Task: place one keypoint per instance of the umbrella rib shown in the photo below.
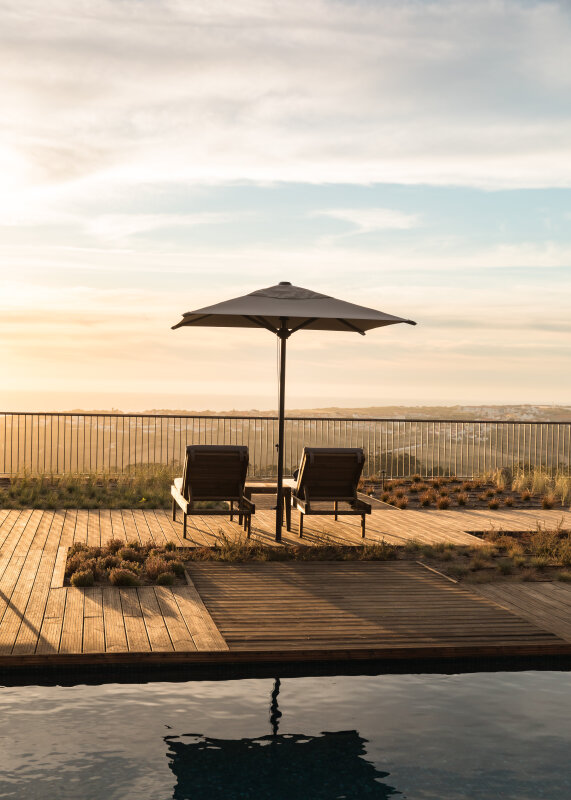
(350, 326)
(303, 324)
(263, 323)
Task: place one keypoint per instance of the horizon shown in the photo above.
(400, 157)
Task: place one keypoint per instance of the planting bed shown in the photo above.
(443, 493)
(124, 564)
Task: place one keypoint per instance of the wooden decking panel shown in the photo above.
(340, 605)
(547, 605)
(231, 610)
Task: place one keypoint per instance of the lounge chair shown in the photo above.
(329, 474)
(213, 473)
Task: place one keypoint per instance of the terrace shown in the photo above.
(256, 613)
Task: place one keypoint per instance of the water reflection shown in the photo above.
(278, 766)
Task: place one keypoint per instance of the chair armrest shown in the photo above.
(361, 505)
(299, 502)
(248, 505)
(179, 499)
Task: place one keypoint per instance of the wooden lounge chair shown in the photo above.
(329, 474)
(213, 473)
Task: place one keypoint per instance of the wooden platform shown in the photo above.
(255, 612)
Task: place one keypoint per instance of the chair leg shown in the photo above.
(363, 526)
(300, 524)
(184, 526)
(288, 514)
(174, 510)
(249, 526)
(336, 506)
(232, 511)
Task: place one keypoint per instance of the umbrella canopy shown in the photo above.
(303, 308)
(285, 309)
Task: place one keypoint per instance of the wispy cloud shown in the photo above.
(368, 220)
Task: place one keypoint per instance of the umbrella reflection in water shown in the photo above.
(277, 766)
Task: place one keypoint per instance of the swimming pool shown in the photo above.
(478, 735)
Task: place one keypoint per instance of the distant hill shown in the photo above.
(533, 413)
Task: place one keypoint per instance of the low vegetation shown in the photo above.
(538, 555)
(494, 489)
(144, 487)
(533, 555)
(124, 564)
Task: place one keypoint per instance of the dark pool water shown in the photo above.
(483, 735)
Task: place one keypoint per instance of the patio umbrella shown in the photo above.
(285, 309)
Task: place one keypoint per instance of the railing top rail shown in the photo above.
(275, 418)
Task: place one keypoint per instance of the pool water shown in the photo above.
(479, 735)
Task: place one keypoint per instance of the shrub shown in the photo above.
(548, 500)
(426, 499)
(467, 485)
(539, 562)
(494, 504)
(564, 554)
(414, 488)
(525, 495)
(154, 566)
(123, 577)
(489, 493)
(482, 497)
(165, 579)
(443, 502)
(564, 575)
(563, 488)
(444, 493)
(170, 546)
(77, 547)
(509, 502)
(399, 493)
(461, 498)
(392, 501)
(416, 478)
(108, 562)
(457, 571)
(177, 567)
(541, 482)
(130, 554)
(114, 545)
(401, 502)
(385, 496)
(505, 566)
(83, 578)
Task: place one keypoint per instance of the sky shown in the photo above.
(157, 156)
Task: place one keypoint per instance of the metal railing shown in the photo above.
(116, 443)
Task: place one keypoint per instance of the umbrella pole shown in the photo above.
(283, 334)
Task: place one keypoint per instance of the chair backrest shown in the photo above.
(330, 473)
(214, 472)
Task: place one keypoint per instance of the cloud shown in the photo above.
(118, 226)
(368, 220)
(317, 91)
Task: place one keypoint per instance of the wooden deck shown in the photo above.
(253, 612)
